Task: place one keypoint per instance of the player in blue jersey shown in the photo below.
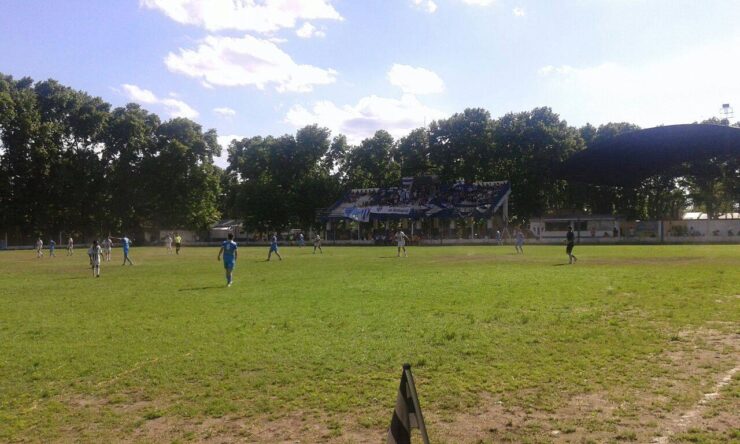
(228, 249)
(126, 244)
(273, 247)
(52, 247)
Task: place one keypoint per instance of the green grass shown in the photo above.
(162, 351)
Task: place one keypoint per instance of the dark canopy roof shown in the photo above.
(628, 158)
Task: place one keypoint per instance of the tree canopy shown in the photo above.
(71, 163)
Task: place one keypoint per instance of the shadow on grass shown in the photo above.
(201, 288)
(559, 265)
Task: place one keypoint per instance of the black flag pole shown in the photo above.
(407, 414)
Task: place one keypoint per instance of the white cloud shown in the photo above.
(308, 30)
(370, 114)
(262, 16)
(413, 80)
(246, 61)
(173, 107)
(479, 2)
(519, 12)
(224, 141)
(225, 111)
(427, 5)
(678, 88)
(549, 69)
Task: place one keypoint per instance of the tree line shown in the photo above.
(72, 163)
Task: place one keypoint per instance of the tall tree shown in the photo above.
(530, 146)
(413, 154)
(371, 164)
(462, 146)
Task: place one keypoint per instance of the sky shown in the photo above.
(269, 67)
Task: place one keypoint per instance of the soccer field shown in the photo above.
(628, 345)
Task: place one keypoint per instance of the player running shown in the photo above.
(39, 248)
(519, 241)
(570, 241)
(401, 239)
(94, 253)
(70, 246)
(499, 239)
(317, 244)
(107, 247)
(274, 247)
(52, 247)
(228, 248)
(126, 244)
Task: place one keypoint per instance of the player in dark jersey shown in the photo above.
(570, 243)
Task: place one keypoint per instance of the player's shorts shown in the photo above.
(178, 245)
(274, 248)
(125, 252)
(229, 265)
(569, 248)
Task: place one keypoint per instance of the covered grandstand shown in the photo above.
(425, 207)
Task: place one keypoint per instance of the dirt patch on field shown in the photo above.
(694, 394)
(699, 370)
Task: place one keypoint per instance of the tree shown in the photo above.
(462, 146)
(282, 181)
(372, 163)
(182, 179)
(529, 148)
(413, 154)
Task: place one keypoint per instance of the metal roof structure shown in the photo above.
(628, 158)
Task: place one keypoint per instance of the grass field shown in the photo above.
(628, 345)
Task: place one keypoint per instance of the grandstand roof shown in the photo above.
(631, 157)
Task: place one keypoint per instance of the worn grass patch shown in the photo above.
(504, 347)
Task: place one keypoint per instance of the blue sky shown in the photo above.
(258, 67)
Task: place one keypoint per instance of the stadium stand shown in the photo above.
(421, 198)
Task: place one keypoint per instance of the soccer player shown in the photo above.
(126, 244)
(168, 243)
(301, 240)
(499, 240)
(70, 246)
(570, 241)
(317, 244)
(401, 239)
(52, 246)
(274, 247)
(228, 248)
(94, 252)
(178, 243)
(107, 246)
(519, 241)
(39, 248)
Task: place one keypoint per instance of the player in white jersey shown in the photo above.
(317, 244)
(401, 239)
(95, 257)
(39, 248)
(107, 247)
(168, 243)
(70, 246)
(519, 241)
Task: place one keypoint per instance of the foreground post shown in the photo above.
(407, 415)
